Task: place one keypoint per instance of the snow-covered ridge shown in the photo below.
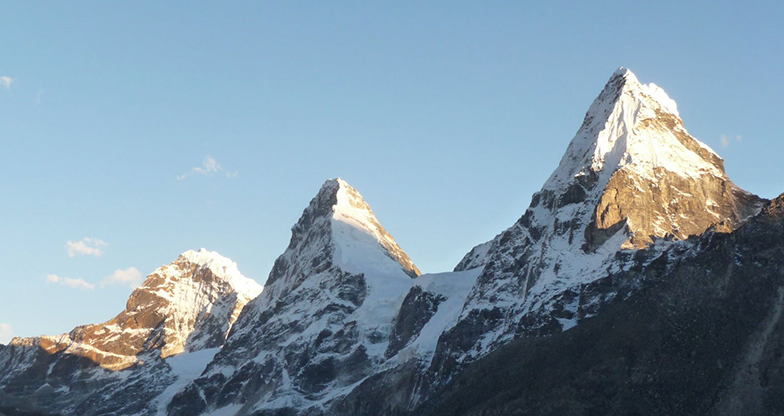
(226, 269)
(650, 89)
(636, 126)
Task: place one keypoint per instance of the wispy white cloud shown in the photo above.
(209, 167)
(85, 247)
(726, 140)
(6, 82)
(6, 333)
(130, 276)
(79, 283)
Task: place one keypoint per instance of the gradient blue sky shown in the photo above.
(446, 116)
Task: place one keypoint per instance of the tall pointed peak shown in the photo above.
(635, 126)
(334, 293)
(632, 168)
(338, 228)
(633, 158)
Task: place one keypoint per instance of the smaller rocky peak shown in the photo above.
(186, 281)
(221, 268)
(187, 305)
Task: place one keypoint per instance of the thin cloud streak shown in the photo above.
(726, 140)
(85, 247)
(6, 82)
(209, 167)
(79, 283)
(130, 277)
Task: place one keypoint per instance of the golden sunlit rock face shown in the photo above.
(663, 203)
(669, 205)
(185, 306)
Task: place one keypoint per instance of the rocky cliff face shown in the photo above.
(186, 306)
(324, 320)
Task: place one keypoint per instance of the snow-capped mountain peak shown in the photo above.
(338, 224)
(225, 269)
(197, 298)
(187, 305)
(631, 175)
(652, 90)
(124, 365)
(635, 126)
(324, 320)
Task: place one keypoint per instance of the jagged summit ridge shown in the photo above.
(225, 269)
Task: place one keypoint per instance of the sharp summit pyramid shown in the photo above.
(324, 319)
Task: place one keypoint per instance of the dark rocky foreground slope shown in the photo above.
(704, 336)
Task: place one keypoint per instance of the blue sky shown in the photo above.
(446, 116)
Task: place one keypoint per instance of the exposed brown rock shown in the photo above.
(150, 322)
(672, 205)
